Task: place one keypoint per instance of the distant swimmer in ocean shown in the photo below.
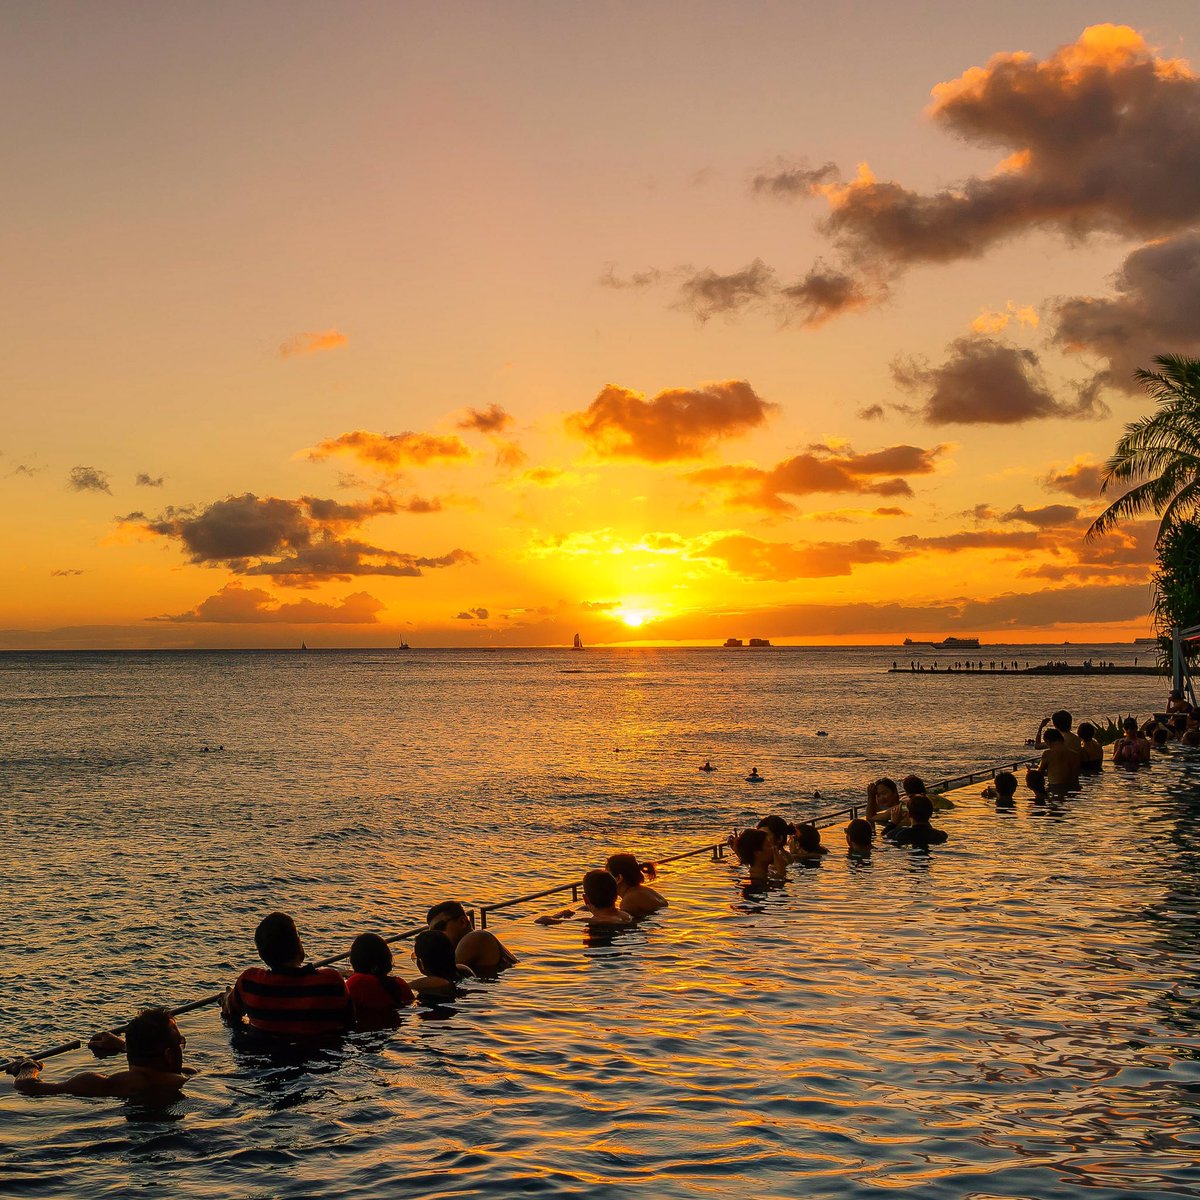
(153, 1048)
(433, 952)
(708, 766)
(479, 949)
(637, 899)
(377, 993)
(599, 909)
(754, 776)
(860, 835)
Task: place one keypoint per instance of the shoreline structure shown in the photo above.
(715, 850)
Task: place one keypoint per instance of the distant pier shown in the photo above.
(1044, 669)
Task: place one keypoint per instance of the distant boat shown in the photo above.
(577, 644)
(732, 643)
(760, 643)
(303, 646)
(403, 644)
(957, 643)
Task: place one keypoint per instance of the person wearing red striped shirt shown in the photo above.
(288, 997)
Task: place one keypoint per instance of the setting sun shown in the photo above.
(633, 617)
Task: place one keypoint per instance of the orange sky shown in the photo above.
(485, 325)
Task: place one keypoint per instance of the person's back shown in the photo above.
(376, 993)
(637, 899)
(288, 997)
(478, 949)
(1091, 753)
(860, 834)
(1059, 764)
(920, 833)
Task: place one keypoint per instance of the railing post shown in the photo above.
(482, 917)
(574, 893)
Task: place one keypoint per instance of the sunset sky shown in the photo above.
(484, 324)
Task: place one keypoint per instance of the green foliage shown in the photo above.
(1177, 582)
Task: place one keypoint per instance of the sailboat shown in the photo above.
(303, 646)
(577, 644)
(403, 644)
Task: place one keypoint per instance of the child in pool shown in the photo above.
(599, 909)
(377, 993)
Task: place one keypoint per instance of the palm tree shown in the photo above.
(1159, 454)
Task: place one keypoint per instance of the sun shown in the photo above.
(633, 617)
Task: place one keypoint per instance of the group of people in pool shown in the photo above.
(291, 999)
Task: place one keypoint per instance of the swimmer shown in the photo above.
(1035, 781)
(1059, 763)
(779, 829)
(479, 949)
(1002, 789)
(1131, 750)
(1091, 753)
(708, 766)
(433, 952)
(637, 899)
(755, 848)
(920, 833)
(860, 834)
(806, 844)
(599, 909)
(914, 785)
(153, 1048)
(883, 796)
(754, 776)
(374, 990)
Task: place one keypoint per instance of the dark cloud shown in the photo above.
(492, 419)
(679, 423)
(297, 541)
(600, 605)
(781, 562)
(28, 471)
(821, 469)
(973, 539)
(1081, 479)
(144, 480)
(65, 572)
(393, 451)
(88, 479)
(987, 382)
(872, 412)
(237, 605)
(1049, 516)
(796, 180)
(636, 281)
(708, 293)
(824, 294)
(473, 614)
(1153, 310)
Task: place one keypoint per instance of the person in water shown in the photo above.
(153, 1048)
(780, 830)
(1091, 753)
(860, 835)
(883, 796)
(754, 776)
(1003, 789)
(806, 844)
(708, 766)
(637, 899)
(920, 833)
(1035, 781)
(434, 955)
(1132, 750)
(756, 849)
(914, 785)
(1061, 722)
(599, 909)
(478, 949)
(1059, 764)
(376, 993)
(288, 997)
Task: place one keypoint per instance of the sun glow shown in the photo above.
(633, 617)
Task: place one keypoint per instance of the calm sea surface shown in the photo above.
(1015, 1015)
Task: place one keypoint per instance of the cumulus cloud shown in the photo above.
(145, 480)
(679, 423)
(312, 343)
(88, 479)
(295, 541)
(973, 539)
(473, 614)
(709, 293)
(998, 320)
(1152, 310)
(1081, 479)
(1048, 516)
(238, 605)
(781, 562)
(825, 293)
(790, 180)
(821, 469)
(492, 419)
(393, 451)
(987, 382)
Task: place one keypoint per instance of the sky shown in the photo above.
(488, 324)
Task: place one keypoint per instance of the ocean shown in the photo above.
(1013, 1015)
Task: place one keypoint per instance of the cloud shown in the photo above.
(1081, 479)
(973, 539)
(300, 542)
(392, 451)
(637, 281)
(1156, 296)
(23, 469)
(1049, 516)
(708, 293)
(492, 419)
(473, 614)
(996, 321)
(312, 343)
(781, 562)
(509, 455)
(238, 605)
(144, 480)
(825, 293)
(88, 479)
(872, 412)
(821, 469)
(65, 572)
(1103, 135)
(679, 423)
(794, 180)
(987, 382)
